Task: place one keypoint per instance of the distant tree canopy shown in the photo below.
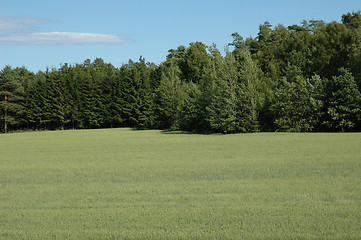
(298, 78)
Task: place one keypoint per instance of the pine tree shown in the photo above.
(251, 87)
(145, 93)
(342, 102)
(44, 99)
(169, 98)
(295, 108)
(58, 100)
(26, 78)
(91, 101)
(74, 85)
(222, 77)
(111, 98)
(189, 115)
(67, 85)
(33, 107)
(11, 94)
(129, 96)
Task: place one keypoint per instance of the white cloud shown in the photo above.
(20, 31)
(59, 38)
(20, 24)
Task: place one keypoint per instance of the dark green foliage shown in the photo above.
(297, 106)
(169, 98)
(191, 61)
(190, 111)
(12, 97)
(91, 103)
(223, 93)
(34, 106)
(342, 102)
(137, 94)
(298, 78)
(252, 89)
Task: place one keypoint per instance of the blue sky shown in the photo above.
(46, 33)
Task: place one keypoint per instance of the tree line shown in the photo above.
(300, 78)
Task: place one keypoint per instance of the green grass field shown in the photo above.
(128, 184)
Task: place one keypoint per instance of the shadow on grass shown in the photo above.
(183, 132)
(167, 131)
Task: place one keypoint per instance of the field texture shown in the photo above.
(128, 184)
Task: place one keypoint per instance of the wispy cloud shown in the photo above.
(59, 38)
(21, 24)
(21, 31)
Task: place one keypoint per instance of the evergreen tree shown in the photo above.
(69, 87)
(33, 105)
(111, 98)
(297, 104)
(145, 93)
(191, 61)
(189, 114)
(222, 93)
(45, 99)
(130, 86)
(12, 95)
(251, 81)
(91, 101)
(26, 78)
(59, 94)
(169, 98)
(342, 102)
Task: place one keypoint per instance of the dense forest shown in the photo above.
(301, 78)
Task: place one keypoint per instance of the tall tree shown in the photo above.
(130, 85)
(190, 112)
(297, 104)
(12, 94)
(250, 77)
(222, 92)
(191, 61)
(91, 99)
(342, 102)
(60, 100)
(169, 98)
(353, 44)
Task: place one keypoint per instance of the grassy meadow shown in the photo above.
(130, 184)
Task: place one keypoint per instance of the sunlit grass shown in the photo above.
(127, 184)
